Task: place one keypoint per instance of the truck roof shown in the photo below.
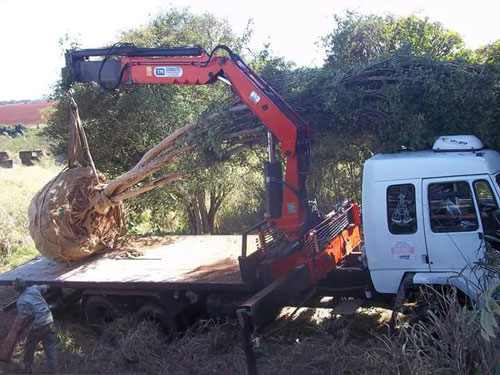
(430, 164)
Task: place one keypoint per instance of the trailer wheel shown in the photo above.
(151, 312)
(98, 312)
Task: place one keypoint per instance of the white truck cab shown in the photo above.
(425, 213)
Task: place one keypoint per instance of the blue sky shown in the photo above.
(30, 30)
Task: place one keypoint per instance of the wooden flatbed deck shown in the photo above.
(170, 262)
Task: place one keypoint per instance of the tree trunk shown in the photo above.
(200, 197)
(197, 216)
(191, 218)
(215, 202)
(211, 219)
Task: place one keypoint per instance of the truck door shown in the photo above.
(452, 225)
(405, 230)
(394, 231)
(487, 203)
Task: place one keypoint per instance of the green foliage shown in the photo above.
(179, 27)
(18, 255)
(446, 339)
(360, 39)
(490, 312)
(391, 84)
(67, 344)
(245, 195)
(395, 82)
(487, 274)
(15, 131)
(409, 101)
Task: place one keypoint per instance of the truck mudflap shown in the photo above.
(265, 305)
(262, 308)
(461, 282)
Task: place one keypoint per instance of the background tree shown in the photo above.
(359, 39)
(389, 84)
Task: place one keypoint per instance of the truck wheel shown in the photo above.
(98, 312)
(166, 322)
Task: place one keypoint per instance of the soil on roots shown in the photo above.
(64, 221)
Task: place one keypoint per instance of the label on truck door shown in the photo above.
(403, 250)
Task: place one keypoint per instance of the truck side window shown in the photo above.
(451, 207)
(487, 207)
(401, 209)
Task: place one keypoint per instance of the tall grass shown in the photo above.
(445, 340)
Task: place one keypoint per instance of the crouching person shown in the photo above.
(32, 304)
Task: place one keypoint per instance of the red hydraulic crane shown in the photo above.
(287, 205)
(288, 240)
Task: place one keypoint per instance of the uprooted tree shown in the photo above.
(123, 125)
(80, 212)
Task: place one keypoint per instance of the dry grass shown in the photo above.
(447, 340)
(311, 342)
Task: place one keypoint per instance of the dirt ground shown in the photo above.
(311, 342)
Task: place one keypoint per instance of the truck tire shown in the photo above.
(166, 322)
(99, 311)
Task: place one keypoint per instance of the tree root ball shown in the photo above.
(68, 220)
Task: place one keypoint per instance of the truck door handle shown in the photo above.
(426, 259)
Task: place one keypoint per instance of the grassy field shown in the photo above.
(32, 140)
(17, 187)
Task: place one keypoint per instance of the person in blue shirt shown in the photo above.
(31, 304)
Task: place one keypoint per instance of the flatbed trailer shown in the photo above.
(184, 277)
(171, 279)
(152, 263)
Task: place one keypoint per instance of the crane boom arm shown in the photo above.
(192, 66)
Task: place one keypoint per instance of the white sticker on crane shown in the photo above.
(403, 250)
(168, 71)
(254, 97)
